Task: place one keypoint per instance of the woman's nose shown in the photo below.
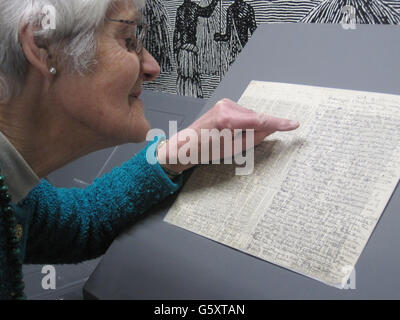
(150, 67)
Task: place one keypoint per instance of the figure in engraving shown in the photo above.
(240, 21)
(157, 40)
(209, 50)
(185, 46)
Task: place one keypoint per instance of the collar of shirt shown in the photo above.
(20, 177)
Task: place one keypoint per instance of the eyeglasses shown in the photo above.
(135, 43)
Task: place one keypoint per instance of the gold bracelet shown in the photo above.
(170, 174)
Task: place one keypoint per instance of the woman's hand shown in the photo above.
(227, 115)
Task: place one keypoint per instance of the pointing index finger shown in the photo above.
(271, 123)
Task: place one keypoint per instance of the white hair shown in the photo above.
(76, 24)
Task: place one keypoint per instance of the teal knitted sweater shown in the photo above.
(71, 225)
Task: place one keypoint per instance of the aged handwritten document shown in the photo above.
(316, 193)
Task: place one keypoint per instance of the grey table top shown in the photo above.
(155, 260)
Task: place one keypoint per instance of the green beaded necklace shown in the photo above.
(12, 239)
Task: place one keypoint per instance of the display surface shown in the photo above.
(196, 41)
(315, 194)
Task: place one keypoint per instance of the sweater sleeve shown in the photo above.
(72, 225)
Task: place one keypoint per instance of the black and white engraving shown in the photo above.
(185, 46)
(209, 34)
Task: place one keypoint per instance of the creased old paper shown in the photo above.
(316, 194)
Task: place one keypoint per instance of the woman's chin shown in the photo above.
(140, 126)
(139, 130)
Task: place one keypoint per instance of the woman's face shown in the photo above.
(106, 102)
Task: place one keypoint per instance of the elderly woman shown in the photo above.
(68, 92)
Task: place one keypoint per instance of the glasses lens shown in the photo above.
(142, 31)
(135, 44)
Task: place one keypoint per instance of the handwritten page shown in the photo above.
(316, 193)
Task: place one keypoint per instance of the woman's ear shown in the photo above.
(37, 54)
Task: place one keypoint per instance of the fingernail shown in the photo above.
(286, 124)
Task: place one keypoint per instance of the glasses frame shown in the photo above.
(139, 43)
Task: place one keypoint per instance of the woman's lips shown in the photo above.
(134, 97)
(136, 94)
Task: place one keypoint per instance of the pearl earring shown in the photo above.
(53, 71)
